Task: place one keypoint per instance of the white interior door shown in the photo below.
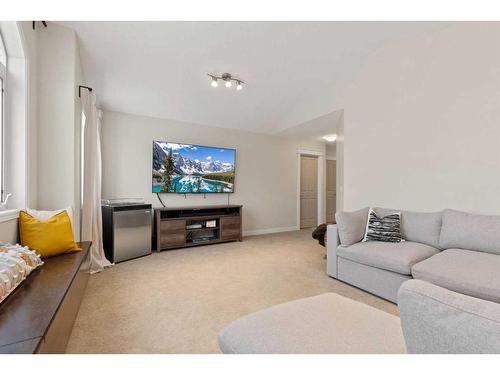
(308, 191)
(331, 196)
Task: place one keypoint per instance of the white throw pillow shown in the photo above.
(46, 215)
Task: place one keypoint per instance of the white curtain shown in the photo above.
(91, 205)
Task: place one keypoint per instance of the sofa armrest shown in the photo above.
(437, 320)
(332, 243)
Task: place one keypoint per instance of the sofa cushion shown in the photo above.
(473, 273)
(395, 257)
(462, 230)
(328, 323)
(423, 227)
(351, 226)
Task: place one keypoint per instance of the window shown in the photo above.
(3, 74)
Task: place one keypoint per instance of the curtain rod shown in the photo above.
(43, 22)
(83, 87)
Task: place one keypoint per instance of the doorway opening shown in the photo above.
(308, 191)
(331, 190)
(321, 138)
(311, 198)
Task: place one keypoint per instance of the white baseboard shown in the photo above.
(269, 231)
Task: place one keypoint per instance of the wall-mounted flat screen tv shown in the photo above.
(183, 168)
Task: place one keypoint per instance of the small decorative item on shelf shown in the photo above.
(211, 223)
(16, 263)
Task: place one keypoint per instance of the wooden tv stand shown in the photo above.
(179, 227)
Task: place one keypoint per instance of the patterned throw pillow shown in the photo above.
(16, 263)
(385, 229)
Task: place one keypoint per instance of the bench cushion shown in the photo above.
(468, 272)
(327, 323)
(395, 257)
(462, 230)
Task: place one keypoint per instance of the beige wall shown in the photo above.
(422, 123)
(266, 167)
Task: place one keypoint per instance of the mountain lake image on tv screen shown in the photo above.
(183, 168)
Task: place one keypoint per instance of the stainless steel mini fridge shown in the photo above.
(127, 230)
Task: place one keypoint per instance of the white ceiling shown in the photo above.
(159, 69)
(315, 129)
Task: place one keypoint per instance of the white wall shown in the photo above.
(53, 139)
(58, 132)
(266, 167)
(422, 123)
(43, 136)
(339, 148)
(77, 141)
(30, 38)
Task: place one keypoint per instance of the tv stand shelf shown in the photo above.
(172, 232)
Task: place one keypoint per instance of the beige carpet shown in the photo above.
(177, 301)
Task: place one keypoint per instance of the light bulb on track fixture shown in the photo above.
(228, 80)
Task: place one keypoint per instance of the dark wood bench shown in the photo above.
(39, 315)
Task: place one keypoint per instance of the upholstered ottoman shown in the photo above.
(328, 323)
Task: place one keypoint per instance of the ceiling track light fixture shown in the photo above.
(228, 80)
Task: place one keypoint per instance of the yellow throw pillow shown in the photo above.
(48, 238)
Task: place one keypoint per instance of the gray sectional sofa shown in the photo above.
(445, 278)
(436, 320)
(452, 249)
